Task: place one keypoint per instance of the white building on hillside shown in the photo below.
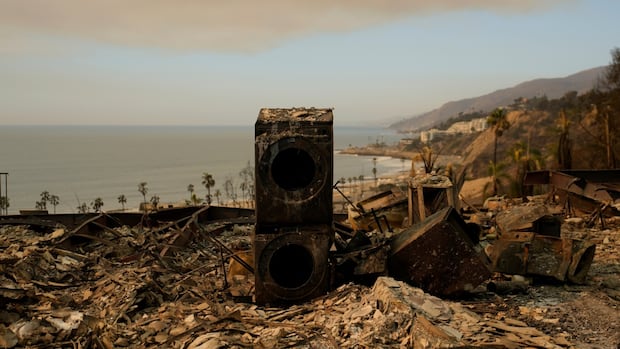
(475, 125)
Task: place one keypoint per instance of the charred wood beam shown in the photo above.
(209, 235)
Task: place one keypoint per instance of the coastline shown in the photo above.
(395, 153)
(471, 192)
(379, 151)
(81, 163)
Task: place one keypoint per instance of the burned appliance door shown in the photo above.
(292, 265)
(294, 166)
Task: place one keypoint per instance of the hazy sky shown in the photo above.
(201, 62)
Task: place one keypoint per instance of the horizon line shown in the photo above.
(173, 125)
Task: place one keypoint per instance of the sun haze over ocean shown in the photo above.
(163, 62)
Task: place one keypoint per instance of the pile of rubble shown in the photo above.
(165, 285)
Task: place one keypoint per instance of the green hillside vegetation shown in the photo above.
(575, 131)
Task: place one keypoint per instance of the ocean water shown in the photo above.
(81, 163)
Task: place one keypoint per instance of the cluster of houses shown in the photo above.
(461, 127)
(475, 125)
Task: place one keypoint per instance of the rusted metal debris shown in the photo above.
(585, 190)
(533, 218)
(117, 290)
(360, 256)
(527, 253)
(529, 243)
(440, 253)
(165, 285)
(85, 286)
(383, 211)
(93, 222)
(438, 256)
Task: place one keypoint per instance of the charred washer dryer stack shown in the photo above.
(294, 213)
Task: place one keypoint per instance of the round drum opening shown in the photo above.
(291, 266)
(293, 169)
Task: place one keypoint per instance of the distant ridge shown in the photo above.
(553, 88)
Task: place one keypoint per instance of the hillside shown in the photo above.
(552, 88)
(538, 127)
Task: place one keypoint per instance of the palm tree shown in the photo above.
(518, 155)
(217, 195)
(54, 201)
(247, 182)
(374, 170)
(97, 204)
(231, 193)
(429, 158)
(190, 189)
(252, 191)
(244, 188)
(611, 80)
(155, 201)
(208, 182)
(143, 190)
(526, 160)
(45, 198)
(194, 200)
(564, 144)
(497, 120)
(83, 208)
(361, 179)
(496, 172)
(122, 200)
